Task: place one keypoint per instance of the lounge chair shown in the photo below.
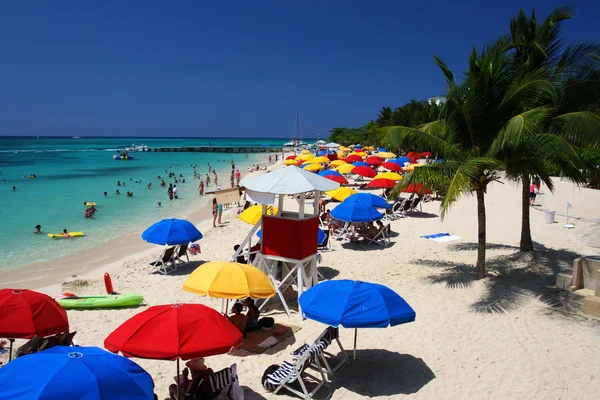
(181, 251)
(165, 263)
(213, 386)
(382, 237)
(397, 211)
(412, 206)
(324, 246)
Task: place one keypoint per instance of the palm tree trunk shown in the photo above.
(526, 242)
(480, 233)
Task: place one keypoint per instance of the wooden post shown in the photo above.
(317, 201)
(302, 201)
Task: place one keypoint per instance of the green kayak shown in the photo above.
(109, 301)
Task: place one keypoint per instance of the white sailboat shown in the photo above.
(297, 138)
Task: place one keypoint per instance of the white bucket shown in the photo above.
(549, 216)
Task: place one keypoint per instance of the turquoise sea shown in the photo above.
(71, 171)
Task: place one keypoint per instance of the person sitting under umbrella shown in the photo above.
(238, 319)
(187, 385)
(252, 315)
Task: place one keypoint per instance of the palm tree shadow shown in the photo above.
(420, 214)
(513, 279)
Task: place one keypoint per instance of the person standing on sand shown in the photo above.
(201, 188)
(238, 176)
(532, 188)
(207, 180)
(214, 212)
(232, 179)
(220, 212)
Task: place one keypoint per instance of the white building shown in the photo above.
(438, 100)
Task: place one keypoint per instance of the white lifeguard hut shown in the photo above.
(289, 238)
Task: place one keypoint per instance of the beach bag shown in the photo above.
(266, 323)
(194, 249)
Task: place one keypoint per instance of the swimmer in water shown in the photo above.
(14, 188)
(105, 194)
(66, 234)
(158, 204)
(117, 192)
(38, 229)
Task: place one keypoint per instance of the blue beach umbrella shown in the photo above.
(320, 238)
(381, 150)
(360, 164)
(401, 160)
(369, 199)
(75, 373)
(355, 304)
(438, 160)
(352, 211)
(322, 153)
(172, 232)
(329, 172)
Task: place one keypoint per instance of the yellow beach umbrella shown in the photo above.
(341, 193)
(229, 280)
(388, 175)
(360, 153)
(386, 154)
(337, 163)
(305, 152)
(320, 159)
(313, 167)
(346, 149)
(370, 148)
(345, 168)
(252, 214)
(290, 162)
(305, 157)
(411, 167)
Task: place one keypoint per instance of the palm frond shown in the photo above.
(580, 128)
(401, 136)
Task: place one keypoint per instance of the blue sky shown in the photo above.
(235, 68)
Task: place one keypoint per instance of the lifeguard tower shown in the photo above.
(288, 248)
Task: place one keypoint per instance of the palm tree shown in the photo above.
(537, 50)
(384, 117)
(477, 111)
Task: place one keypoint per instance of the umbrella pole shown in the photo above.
(354, 355)
(12, 341)
(178, 379)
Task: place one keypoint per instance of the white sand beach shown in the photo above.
(509, 336)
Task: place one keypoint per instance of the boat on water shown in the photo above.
(133, 147)
(74, 137)
(297, 137)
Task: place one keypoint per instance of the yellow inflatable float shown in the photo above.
(61, 236)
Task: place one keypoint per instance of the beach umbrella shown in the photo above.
(345, 169)
(381, 150)
(374, 160)
(389, 175)
(75, 373)
(25, 313)
(358, 145)
(381, 184)
(352, 211)
(305, 152)
(290, 162)
(355, 304)
(413, 155)
(426, 154)
(401, 160)
(353, 158)
(329, 172)
(337, 163)
(305, 157)
(322, 153)
(172, 232)
(367, 172)
(392, 166)
(416, 188)
(313, 167)
(253, 214)
(386, 154)
(411, 167)
(292, 157)
(369, 199)
(321, 159)
(360, 164)
(337, 178)
(229, 280)
(341, 193)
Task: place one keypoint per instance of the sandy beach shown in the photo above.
(508, 336)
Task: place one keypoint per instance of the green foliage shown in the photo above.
(347, 136)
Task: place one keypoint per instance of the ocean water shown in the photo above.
(72, 171)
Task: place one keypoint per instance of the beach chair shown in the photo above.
(413, 205)
(397, 211)
(324, 246)
(382, 237)
(181, 252)
(165, 263)
(216, 385)
(322, 343)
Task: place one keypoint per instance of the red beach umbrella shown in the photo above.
(336, 178)
(292, 157)
(381, 184)
(26, 313)
(353, 158)
(375, 160)
(367, 172)
(426, 154)
(413, 155)
(392, 166)
(416, 188)
(174, 331)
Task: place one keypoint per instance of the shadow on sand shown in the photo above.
(513, 278)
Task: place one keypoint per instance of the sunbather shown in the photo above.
(187, 385)
(238, 319)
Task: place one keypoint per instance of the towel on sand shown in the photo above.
(441, 237)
